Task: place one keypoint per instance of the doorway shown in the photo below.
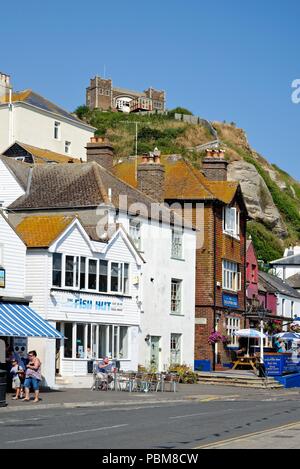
(154, 352)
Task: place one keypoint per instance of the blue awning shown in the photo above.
(18, 320)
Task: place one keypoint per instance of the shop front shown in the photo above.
(94, 326)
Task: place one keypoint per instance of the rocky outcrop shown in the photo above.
(257, 196)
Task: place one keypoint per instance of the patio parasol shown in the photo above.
(250, 334)
(288, 335)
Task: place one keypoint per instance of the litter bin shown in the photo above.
(90, 366)
(3, 388)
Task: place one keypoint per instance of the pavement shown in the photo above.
(72, 398)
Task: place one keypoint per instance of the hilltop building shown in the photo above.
(101, 94)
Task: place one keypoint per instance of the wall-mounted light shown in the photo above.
(147, 338)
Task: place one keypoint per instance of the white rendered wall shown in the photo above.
(37, 128)
(156, 318)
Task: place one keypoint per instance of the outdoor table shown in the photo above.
(245, 361)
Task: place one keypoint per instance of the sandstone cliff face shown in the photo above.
(257, 196)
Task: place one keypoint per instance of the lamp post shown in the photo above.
(261, 314)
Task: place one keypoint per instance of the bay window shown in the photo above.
(90, 274)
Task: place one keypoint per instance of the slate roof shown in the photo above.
(289, 260)
(41, 155)
(294, 281)
(182, 180)
(30, 97)
(275, 284)
(40, 232)
(86, 185)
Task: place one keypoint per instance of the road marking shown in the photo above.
(67, 433)
(243, 437)
(197, 415)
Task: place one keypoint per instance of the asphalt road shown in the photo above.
(156, 426)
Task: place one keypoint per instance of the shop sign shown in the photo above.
(2, 278)
(230, 301)
(93, 305)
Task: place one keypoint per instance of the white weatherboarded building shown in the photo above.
(84, 288)
(31, 119)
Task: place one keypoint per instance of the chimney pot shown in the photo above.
(100, 150)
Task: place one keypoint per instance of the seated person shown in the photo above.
(103, 369)
(241, 352)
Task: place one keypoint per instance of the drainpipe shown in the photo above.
(245, 279)
(10, 120)
(215, 284)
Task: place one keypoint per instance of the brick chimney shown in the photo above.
(5, 85)
(151, 176)
(100, 150)
(214, 165)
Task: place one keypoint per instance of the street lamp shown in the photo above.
(261, 314)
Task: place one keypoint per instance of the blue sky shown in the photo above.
(224, 60)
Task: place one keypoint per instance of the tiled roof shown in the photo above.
(83, 185)
(289, 260)
(275, 284)
(41, 155)
(40, 232)
(30, 97)
(182, 180)
(294, 281)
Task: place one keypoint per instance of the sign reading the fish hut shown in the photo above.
(104, 305)
(2, 277)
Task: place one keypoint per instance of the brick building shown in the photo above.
(221, 256)
(101, 94)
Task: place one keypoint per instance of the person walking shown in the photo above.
(17, 374)
(33, 376)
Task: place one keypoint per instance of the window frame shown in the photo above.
(135, 232)
(177, 311)
(232, 324)
(231, 221)
(231, 276)
(177, 234)
(57, 130)
(68, 145)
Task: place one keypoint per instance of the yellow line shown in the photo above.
(242, 437)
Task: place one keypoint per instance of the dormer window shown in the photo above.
(231, 221)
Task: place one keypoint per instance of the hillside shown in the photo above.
(272, 195)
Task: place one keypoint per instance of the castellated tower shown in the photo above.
(99, 94)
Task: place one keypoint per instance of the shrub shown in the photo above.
(185, 373)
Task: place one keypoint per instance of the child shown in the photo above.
(17, 373)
